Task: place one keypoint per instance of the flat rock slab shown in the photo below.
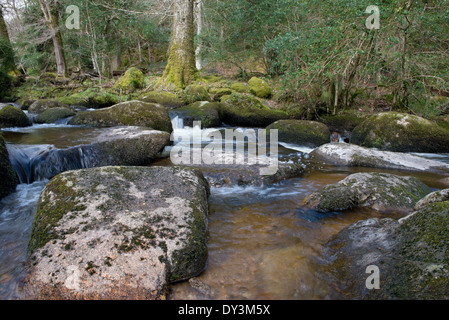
(120, 146)
(351, 155)
(118, 233)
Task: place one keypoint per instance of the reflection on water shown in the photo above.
(61, 136)
(262, 246)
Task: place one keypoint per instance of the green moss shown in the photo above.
(13, 117)
(53, 115)
(195, 93)
(402, 133)
(49, 213)
(167, 99)
(423, 250)
(207, 113)
(308, 133)
(243, 110)
(240, 87)
(8, 178)
(132, 80)
(259, 87)
(91, 98)
(131, 113)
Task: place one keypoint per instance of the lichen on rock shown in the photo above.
(126, 231)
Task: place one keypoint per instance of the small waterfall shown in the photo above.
(43, 162)
(177, 121)
(22, 157)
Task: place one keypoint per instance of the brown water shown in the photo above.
(261, 244)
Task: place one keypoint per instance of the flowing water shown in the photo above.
(261, 244)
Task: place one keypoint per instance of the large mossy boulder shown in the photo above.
(243, 110)
(132, 80)
(118, 233)
(401, 132)
(302, 132)
(351, 155)
(411, 255)
(118, 146)
(13, 117)
(379, 191)
(130, 113)
(40, 106)
(91, 98)
(259, 87)
(8, 178)
(53, 115)
(167, 99)
(204, 111)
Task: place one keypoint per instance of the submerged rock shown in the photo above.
(118, 233)
(243, 110)
(8, 179)
(130, 113)
(411, 255)
(379, 191)
(226, 171)
(350, 155)
(394, 131)
(305, 133)
(13, 117)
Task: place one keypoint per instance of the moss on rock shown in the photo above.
(167, 99)
(91, 98)
(40, 106)
(13, 117)
(53, 115)
(301, 132)
(195, 93)
(243, 110)
(240, 87)
(130, 113)
(401, 132)
(206, 112)
(380, 191)
(128, 231)
(8, 178)
(132, 80)
(259, 87)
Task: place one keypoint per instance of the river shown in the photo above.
(261, 244)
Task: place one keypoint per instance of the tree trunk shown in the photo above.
(181, 69)
(199, 23)
(3, 30)
(8, 53)
(51, 18)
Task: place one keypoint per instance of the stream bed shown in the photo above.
(261, 244)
